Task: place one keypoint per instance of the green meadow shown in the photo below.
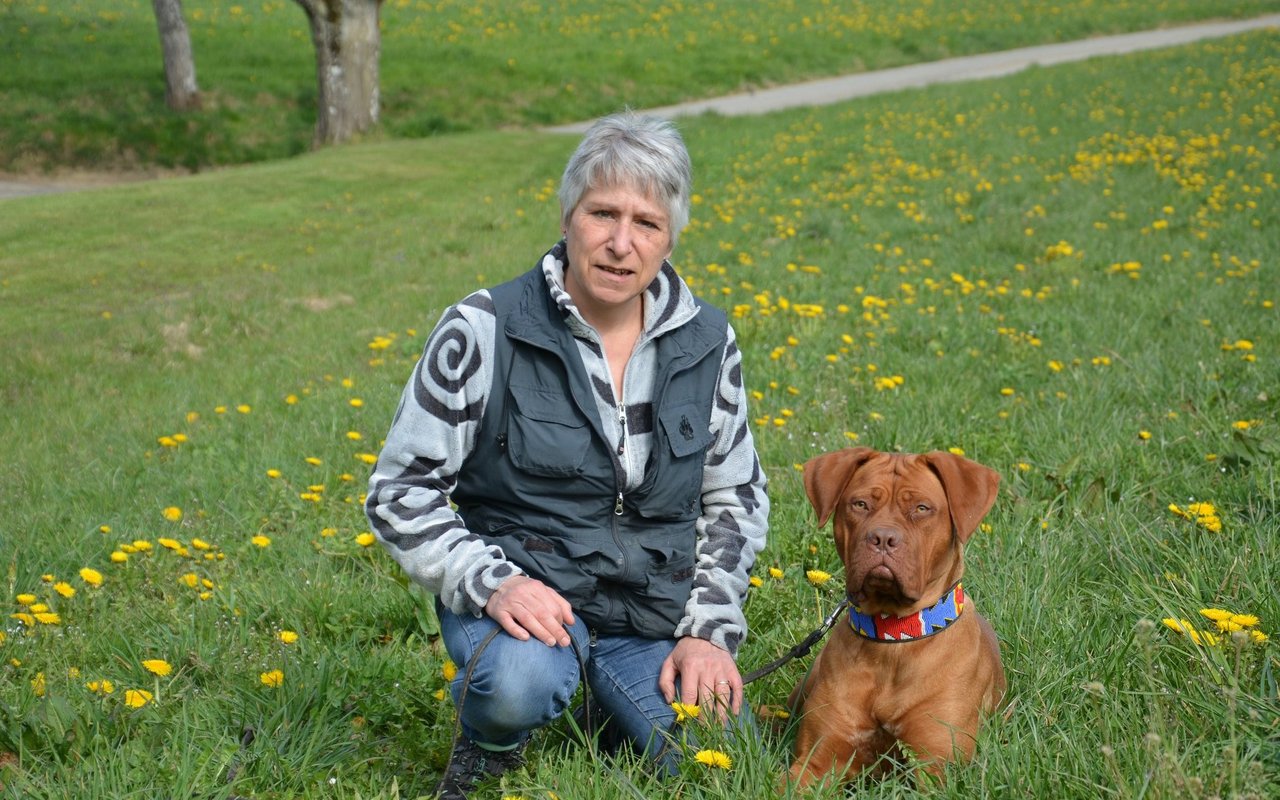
(82, 84)
(1069, 275)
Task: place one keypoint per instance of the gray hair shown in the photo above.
(641, 152)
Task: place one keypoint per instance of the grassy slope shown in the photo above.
(929, 229)
(83, 87)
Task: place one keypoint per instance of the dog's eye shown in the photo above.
(861, 505)
(923, 509)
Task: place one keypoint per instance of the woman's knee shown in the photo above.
(515, 686)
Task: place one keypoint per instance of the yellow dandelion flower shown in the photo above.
(191, 580)
(1244, 620)
(354, 436)
(449, 670)
(817, 577)
(686, 711)
(261, 541)
(103, 687)
(313, 461)
(955, 451)
(272, 678)
(714, 758)
(26, 619)
(368, 458)
(119, 557)
(48, 618)
(274, 473)
(201, 544)
(171, 544)
(1258, 637)
(137, 698)
(65, 589)
(366, 539)
(287, 637)
(244, 408)
(173, 514)
(1215, 614)
(1144, 435)
(326, 532)
(356, 402)
(776, 573)
(755, 581)
(157, 666)
(104, 529)
(91, 576)
(26, 599)
(38, 685)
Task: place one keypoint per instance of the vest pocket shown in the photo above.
(545, 434)
(675, 488)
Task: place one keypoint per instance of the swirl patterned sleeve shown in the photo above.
(735, 515)
(432, 433)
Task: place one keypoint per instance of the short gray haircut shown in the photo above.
(641, 152)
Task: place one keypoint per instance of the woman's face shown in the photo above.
(617, 239)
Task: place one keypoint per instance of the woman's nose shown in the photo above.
(620, 237)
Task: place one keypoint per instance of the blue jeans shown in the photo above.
(516, 687)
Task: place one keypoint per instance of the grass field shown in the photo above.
(1069, 275)
(83, 84)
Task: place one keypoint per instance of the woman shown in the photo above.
(588, 421)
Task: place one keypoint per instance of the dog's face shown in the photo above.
(900, 520)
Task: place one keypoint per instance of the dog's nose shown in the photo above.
(883, 540)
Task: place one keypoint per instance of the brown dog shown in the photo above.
(914, 664)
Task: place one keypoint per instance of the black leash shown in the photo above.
(802, 649)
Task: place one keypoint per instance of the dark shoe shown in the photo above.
(469, 763)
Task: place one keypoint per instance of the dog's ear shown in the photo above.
(970, 487)
(825, 477)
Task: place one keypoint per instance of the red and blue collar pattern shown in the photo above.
(926, 622)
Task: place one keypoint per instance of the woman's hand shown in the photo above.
(526, 607)
(709, 677)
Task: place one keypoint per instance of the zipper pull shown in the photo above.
(617, 509)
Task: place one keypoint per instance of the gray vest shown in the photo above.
(542, 484)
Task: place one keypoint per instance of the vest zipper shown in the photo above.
(622, 448)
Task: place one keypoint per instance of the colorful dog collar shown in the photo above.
(927, 622)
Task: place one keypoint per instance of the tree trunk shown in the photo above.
(348, 45)
(181, 92)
